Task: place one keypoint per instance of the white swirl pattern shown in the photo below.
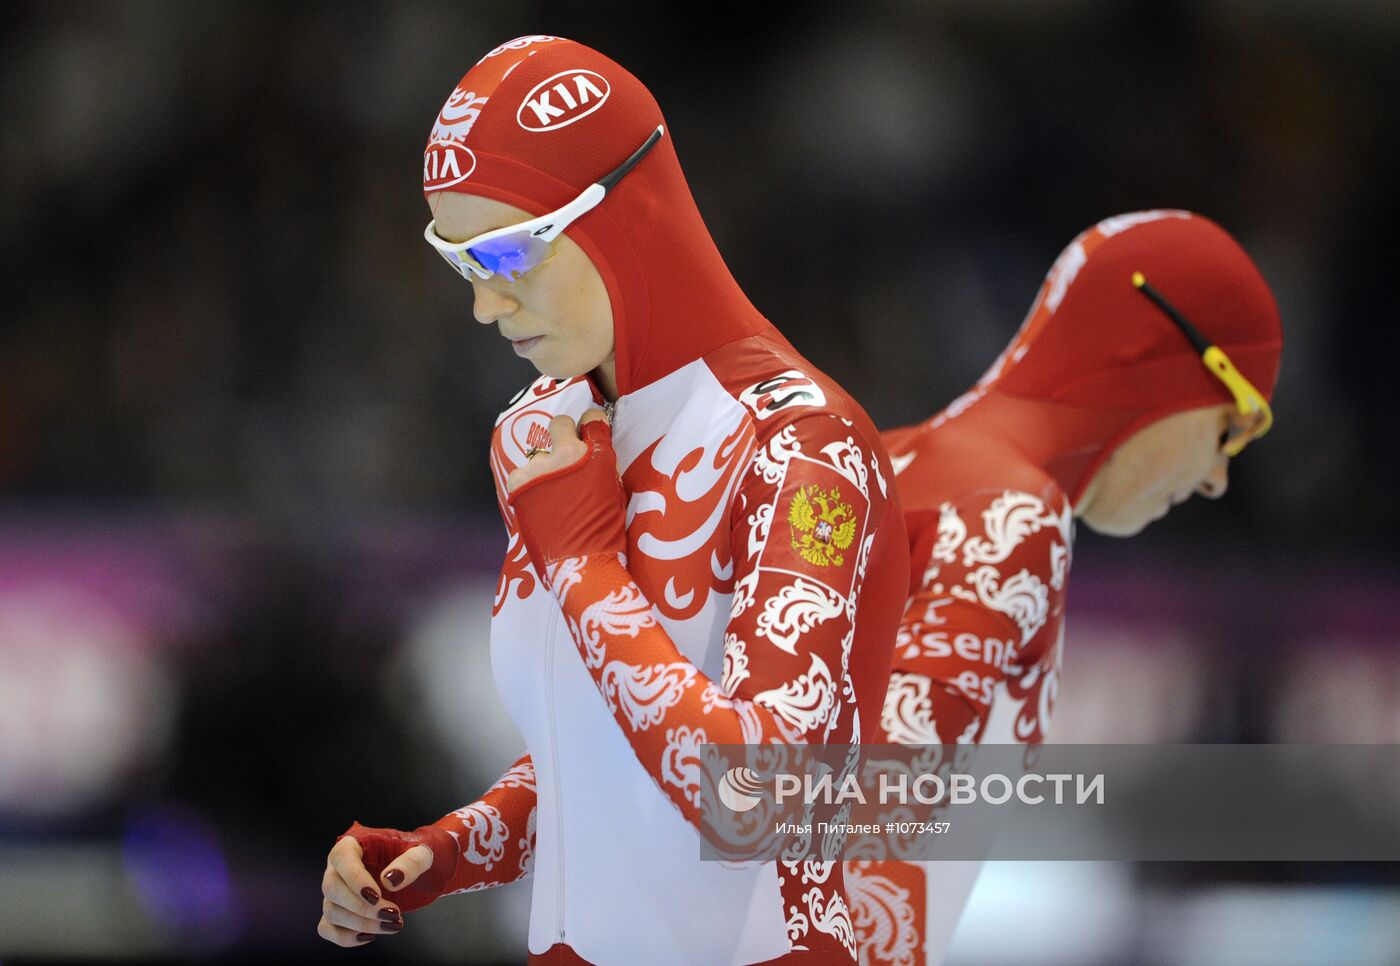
(1010, 519)
(907, 717)
(485, 832)
(796, 609)
(951, 533)
(883, 917)
(644, 694)
(804, 703)
(624, 611)
(1022, 597)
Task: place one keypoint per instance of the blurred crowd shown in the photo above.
(244, 409)
(214, 290)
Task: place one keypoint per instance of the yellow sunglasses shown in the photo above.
(1248, 400)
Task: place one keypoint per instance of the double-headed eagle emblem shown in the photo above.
(822, 526)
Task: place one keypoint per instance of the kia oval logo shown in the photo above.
(446, 163)
(561, 100)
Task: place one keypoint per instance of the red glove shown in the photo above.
(381, 846)
(578, 509)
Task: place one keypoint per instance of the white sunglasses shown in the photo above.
(514, 250)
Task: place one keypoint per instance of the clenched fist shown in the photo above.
(412, 868)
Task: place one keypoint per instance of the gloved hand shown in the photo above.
(569, 502)
(411, 869)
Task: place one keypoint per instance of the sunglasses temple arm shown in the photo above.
(574, 210)
(614, 176)
(1197, 340)
(1247, 399)
(595, 192)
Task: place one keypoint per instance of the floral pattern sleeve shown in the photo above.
(983, 627)
(803, 521)
(494, 835)
(802, 524)
(987, 613)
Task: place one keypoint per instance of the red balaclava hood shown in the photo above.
(539, 119)
(1095, 360)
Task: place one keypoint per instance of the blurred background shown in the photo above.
(248, 538)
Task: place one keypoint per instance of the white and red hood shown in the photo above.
(1095, 361)
(540, 118)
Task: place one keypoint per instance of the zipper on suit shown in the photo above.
(554, 760)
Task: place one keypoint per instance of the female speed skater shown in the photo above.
(659, 590)
(1146, 364)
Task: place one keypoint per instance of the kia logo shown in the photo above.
(561, 100)
(446, 163)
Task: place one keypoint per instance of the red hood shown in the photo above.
(1095, 361)
(536, 121)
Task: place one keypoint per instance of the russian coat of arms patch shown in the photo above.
(824, 516)
(822, 526)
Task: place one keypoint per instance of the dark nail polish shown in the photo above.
(392, 926)
(370, 894)
(365, 937)
(394, 877)
(389, 914)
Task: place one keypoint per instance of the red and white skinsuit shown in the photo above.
(988, 486)
(725, 622)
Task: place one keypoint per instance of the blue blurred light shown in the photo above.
(173, 860)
